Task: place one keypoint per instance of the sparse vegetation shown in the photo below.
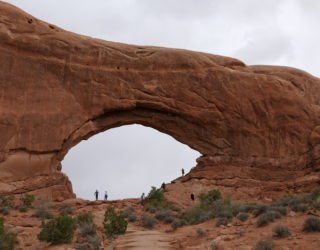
(267, 217)
(207, 199)
(65, 209)
(176, 224)
(243, 216)
(222, 221)
(148, 221)
(58, 230)
(90, 243)
(265, 244)
(200, 232)
(114, 223)
(87, 229)
(281, 231)
(311, 224)
(43, 211)
(84, 218)
(27, 200)
(8, 240)
(165, 216)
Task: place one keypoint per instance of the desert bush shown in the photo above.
(259, 209)
(91, 243)
(278, 208)
(197, 214)
(222, 221)
(207, 199)
(23, 209)
(214, 245)
(281, 231)
(65, 209)
(243, 216)
(298, 206)
(267, 217)
(4, 210)
(311, 224)
(6, 201)
(43, 211)
(265, 244)
(148, 221)
(151, 209)
(114, 223)
(84, 218)
(246, 208)
(200, 232)
(127, 212)
(8, 240)
(176, 223)
(165, 216)
(87, 229)
(58, 230)
(27, 200)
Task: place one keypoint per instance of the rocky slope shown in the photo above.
(257, 127)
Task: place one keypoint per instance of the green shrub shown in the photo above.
(114, 223)
(222, 221)
(197, 214)
(265, 244)
(8, 240)
(200, 232)
(155, 197)
(58, 230)
(148, 221)
(165, 216)
(259, 209)
(27, 200)
(242, 216)
(207, 199)
(311, 224)
(246, 208)
(84, 218)
(281, 231)
(278, 208)
(65, 209)
(267, 217)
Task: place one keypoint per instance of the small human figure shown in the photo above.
(163, 186)
(192, 196)
(96, 193)
(106, 196)
(142, 198)
(182, 171)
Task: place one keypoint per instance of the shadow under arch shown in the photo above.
(126, 161)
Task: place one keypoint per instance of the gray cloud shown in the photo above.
(257, 32)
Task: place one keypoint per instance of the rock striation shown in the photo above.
(255, 126)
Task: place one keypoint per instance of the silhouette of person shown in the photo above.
(163, 186)
(142, 198)
(192, 196)
(182, 171)
(106, 196)
(96, 194)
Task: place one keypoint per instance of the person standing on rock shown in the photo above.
(96, 194)
(182, 171)
(192, 196)
(163, 186)
(142, 198)
(106, 196)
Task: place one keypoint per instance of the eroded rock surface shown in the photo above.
(254, 125)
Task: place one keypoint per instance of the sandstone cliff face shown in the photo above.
(257, 124)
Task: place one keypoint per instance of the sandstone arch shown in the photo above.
(253, 124)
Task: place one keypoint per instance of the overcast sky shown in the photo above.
(277, 32)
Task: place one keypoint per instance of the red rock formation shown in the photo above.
(254, 125)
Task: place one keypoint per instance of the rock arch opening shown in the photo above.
(126, 161)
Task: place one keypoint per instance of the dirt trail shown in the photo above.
(135, 238)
